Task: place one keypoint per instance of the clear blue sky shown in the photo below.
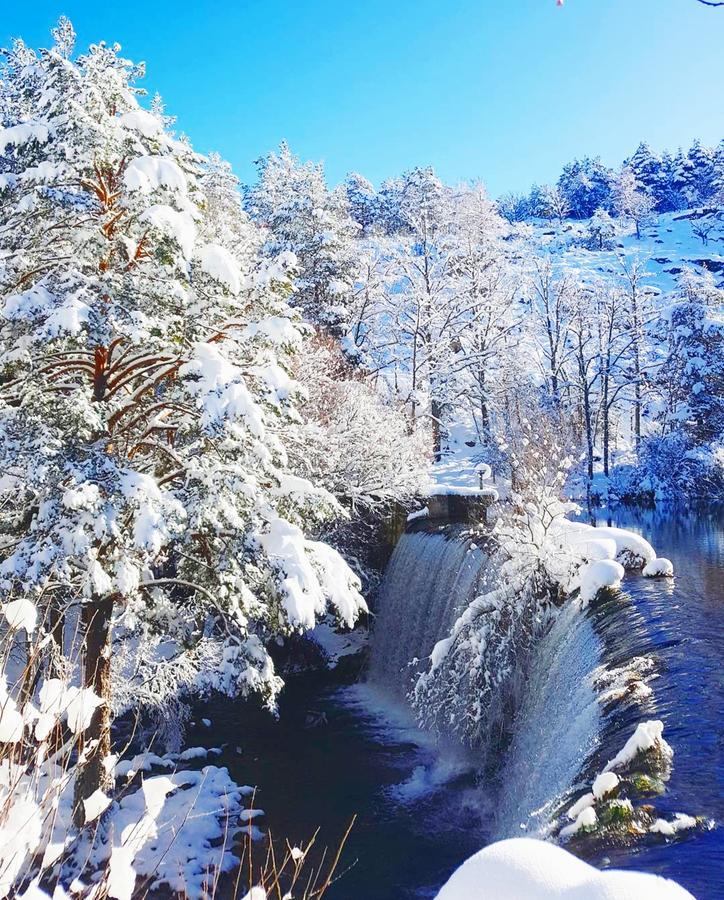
(504, 90)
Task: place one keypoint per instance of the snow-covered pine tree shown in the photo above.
(601, 231)
(718, 176)
(665, 191)
(362, 201)
(586, 186)
(302, 216)
(692, 375)
(630, 201)
(143, 399)
(700, 174)
(646, 167)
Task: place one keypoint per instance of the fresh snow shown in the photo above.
(647, 736)
(149, 173)
(21, 614)
(15, 135)
(604, 784)
(599, 575)
(144, 122)
(536, 870)
(177, 225)
(658, 567)
(681, 822)
(586, 818)
(221, 265)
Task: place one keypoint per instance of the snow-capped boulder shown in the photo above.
(536, 870)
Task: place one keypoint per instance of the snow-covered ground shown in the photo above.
(460, 471)
(667, 246)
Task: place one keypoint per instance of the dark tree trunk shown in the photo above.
(95, 743)
(436, 410)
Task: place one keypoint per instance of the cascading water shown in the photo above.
(431, 579)
(653, 651)
(556, 728)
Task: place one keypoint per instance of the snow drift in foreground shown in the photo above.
(536, 870)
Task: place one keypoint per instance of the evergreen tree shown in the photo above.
(144, 403)
(718, 176)
(646, 167)
(693, 372)
(701, 174)
(665, 191)
(362, 201)
(683, 179)
(586, 186)
(302, 217)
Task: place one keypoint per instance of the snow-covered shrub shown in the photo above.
(352, 442)
(601, 231)
(671, 467)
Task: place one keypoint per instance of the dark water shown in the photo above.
(681, 623)
(340, 751)
(419, 811)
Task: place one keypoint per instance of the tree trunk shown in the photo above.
(436, 410)
(95, 742)
(605, 408)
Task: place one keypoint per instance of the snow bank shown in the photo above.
(535, 870)
(174, 829)
(629, 548)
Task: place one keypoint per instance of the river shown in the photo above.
(422, 808)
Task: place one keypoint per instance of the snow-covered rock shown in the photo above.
(595, 577)
(604, 784)
(681, 822)
(648, 736)
(586, 818)
(659, 567)
(526, 869)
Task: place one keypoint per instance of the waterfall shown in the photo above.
(556, 728)
(553, 730)
(429, 580)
